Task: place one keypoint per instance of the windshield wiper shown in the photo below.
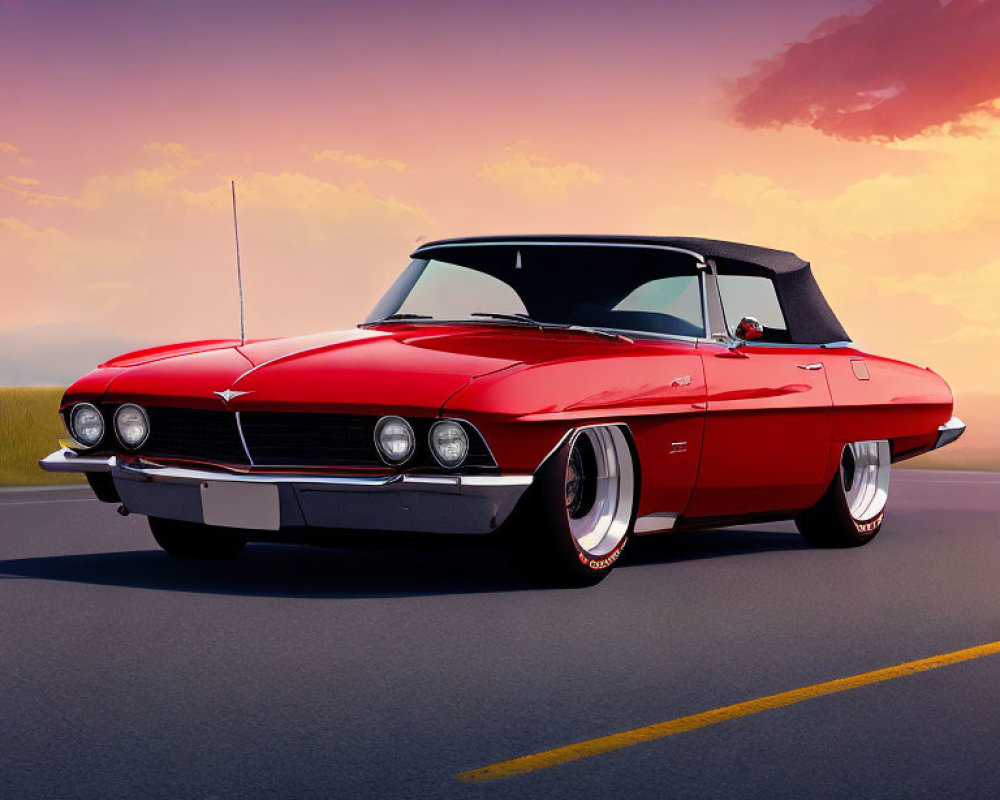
(507, 317)
(524, 318)
(397, 317)
(598, 332)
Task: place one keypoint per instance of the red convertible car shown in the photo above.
(562, 392)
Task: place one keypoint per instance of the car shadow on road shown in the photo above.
(271, 570)
(700, 544)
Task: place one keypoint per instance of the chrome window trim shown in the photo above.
(716, 314)
(517, 243)
(701, 265)
(797, 345)
(706, 326)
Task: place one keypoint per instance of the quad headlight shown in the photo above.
(449, 443)
(131, 425)
(394, 439)
(86, 424)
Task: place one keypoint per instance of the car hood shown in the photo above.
(402, 368)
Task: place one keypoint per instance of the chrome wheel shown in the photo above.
(864, 475)
(599, 488)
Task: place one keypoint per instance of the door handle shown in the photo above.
(810, 366)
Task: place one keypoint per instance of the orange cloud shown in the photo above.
(358, 160)
(12, 150)
(536, 178)
(900, 68)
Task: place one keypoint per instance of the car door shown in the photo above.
(769, 416)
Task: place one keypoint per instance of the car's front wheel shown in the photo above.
(575, 520)
(851, 511)
(194, 540)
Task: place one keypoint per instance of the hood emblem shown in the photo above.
(228, 395)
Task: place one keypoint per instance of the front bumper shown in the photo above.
(949, 432)
(412, 503)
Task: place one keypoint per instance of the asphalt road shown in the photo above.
(354, 673)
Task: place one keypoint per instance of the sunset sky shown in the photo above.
(862, 134)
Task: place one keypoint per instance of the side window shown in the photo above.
(753, 296)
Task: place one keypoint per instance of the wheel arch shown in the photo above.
(569, 437)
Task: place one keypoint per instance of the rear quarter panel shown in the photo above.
(897, 401)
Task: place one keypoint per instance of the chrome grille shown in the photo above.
(286, 439)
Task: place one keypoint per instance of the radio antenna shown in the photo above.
(239, 270)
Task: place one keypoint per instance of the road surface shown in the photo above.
(358, 673)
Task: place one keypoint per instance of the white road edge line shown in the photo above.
(48, 502)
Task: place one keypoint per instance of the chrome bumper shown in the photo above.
(66, 460)
(412, 503)
(949, 432)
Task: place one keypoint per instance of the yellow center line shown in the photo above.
(616, 741)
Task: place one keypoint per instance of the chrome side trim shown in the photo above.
(66, 460)
(803, 345)
(658, 521)
(949, 432)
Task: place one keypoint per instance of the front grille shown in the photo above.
(197, 434)
(298, 439)
(292, 439)
(286, 439)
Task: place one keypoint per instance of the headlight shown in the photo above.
(131, 425)
(394, 438)
(449, 443)
(86, 424)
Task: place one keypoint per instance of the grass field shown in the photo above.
(30, 429)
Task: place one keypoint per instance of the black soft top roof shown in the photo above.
(776, 261)
(809, 317)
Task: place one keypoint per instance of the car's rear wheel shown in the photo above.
(194, 540)
(851, 511)
(576, 518)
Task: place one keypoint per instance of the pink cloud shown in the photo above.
(902, 67)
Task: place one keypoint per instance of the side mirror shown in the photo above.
(749, 330)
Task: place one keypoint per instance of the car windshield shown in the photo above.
(613, 287)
